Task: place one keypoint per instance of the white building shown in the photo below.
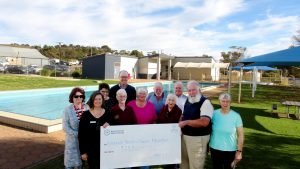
(22, 56)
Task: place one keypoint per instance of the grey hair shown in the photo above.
(158, 84)
(193, 82)
(178, 83)
(225, 96)
(122, 71)
(141, 90)
(121, 91)
(171, 95)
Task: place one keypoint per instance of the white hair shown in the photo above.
(141, 90)
(158, 84)
(225, 96)
(193, 82)
(178, 83)
(171, 95)
(121, 91)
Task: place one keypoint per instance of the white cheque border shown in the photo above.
(140, 145)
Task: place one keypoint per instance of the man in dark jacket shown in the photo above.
(123, 84)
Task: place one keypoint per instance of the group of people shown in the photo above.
(122, 104)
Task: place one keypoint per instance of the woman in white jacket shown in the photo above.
(71, 117)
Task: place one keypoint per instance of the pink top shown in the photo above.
(144, 115)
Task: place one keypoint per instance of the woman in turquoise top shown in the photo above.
(227, 138)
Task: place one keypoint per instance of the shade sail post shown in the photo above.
(240, 85)
(229, 80)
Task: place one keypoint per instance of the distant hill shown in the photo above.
(69, 52)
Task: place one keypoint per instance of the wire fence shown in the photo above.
(38, 66)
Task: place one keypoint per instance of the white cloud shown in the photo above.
(130, 25)
(265, 47)
(235, 26)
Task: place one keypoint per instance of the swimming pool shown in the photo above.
(50, 103)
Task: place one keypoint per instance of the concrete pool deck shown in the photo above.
(30, 123)
(23, 149)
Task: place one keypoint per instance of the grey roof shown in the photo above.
(162, 56)
(8, 51)
(108, 54)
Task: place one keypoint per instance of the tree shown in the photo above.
(232, 56)
(105, 49)
(124, 52)
(136, 53)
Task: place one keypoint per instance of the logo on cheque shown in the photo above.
(106, 132)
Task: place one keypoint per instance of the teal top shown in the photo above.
(224, 130)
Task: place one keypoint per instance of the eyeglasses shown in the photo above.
(78, 96)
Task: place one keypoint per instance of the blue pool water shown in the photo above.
(50, 103)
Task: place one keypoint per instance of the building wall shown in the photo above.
(164, 69)
(94, 67)
(142, 68)
(129, 64)
(201, 74)
(39, 62)
(193, 59)
(152, 69)
(112, 66)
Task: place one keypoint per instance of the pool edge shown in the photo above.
(31, 123)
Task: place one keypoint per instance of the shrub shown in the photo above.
(76, 74)
(46, 72)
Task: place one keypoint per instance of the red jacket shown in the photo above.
(169, 117)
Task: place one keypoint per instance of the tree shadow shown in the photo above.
(265, 151)
(271, 152)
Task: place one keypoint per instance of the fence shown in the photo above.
(38, 66)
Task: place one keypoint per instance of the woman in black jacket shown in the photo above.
(89, 130)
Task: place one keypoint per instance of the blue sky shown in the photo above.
(176, 27)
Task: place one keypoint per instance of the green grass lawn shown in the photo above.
(270, 142)
(15, 82)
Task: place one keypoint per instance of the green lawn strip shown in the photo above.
(14, 82)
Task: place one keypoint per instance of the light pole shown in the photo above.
(59, 43)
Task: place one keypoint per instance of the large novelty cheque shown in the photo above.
(140, 145)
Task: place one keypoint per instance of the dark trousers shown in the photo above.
(94, 160)
(222, 159)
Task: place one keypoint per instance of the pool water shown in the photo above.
(50, 103)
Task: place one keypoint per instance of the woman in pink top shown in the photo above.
(144, 111)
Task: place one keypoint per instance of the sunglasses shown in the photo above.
(78, 96)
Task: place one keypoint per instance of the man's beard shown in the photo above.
(157, 94)
(194, 99)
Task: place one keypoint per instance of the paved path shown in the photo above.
(21, 148)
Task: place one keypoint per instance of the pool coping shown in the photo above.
(30, 123)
